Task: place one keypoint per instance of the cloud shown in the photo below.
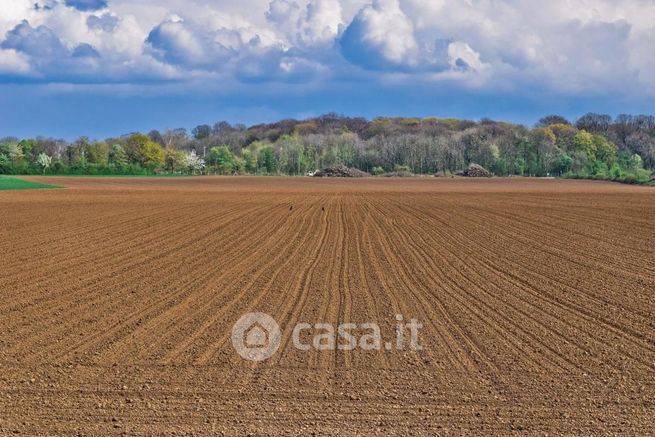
(174, 42)
(316, 24)
(41, 53)
(13, 62)
(39, 42)
(582, 56)
(87, 5)
(462, 57)
(85, 50)
(381, 37)
(270, 64)
(106, 22)
(284, 13)
(566, 48)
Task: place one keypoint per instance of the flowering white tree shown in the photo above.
(44, 161)
(194, 162)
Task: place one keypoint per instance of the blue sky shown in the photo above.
(108, 67)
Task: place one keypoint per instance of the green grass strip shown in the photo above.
(13, 183)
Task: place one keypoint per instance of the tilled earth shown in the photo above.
(118, 297)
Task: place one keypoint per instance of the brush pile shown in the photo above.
(340, 171)
(475, 171)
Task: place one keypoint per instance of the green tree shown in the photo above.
(616, 172)
(250, 160)
(266, 158)
(579, 163)
(74, 155)
(15, 153)
(292, 155)
(564, 134)
(583, 141)
(174, 160)
(153, 155)
(605, 151)
(239, 165)
(311, 157)
(5, 164)
(27, 146)
(500, 167)
(346, 146)
(98, 153)
(117, 156)
(544, 149)
(140, 149)
(562, 164)
(221, 159)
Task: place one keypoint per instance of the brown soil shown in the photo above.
(118, 296)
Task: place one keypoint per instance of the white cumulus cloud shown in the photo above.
(381, 35)
(13, 62)
(585, 47)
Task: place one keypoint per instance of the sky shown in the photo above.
(108, 67)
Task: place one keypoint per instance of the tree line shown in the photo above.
(594, 146)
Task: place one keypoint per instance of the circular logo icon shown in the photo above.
(256, 336)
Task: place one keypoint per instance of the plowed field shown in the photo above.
(118, 297)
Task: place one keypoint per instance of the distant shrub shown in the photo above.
(5, 164)
(399, 174)
(402, 168)
(616, 172)
(643, 175)
(629, 179)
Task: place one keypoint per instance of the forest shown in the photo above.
(594, 146)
